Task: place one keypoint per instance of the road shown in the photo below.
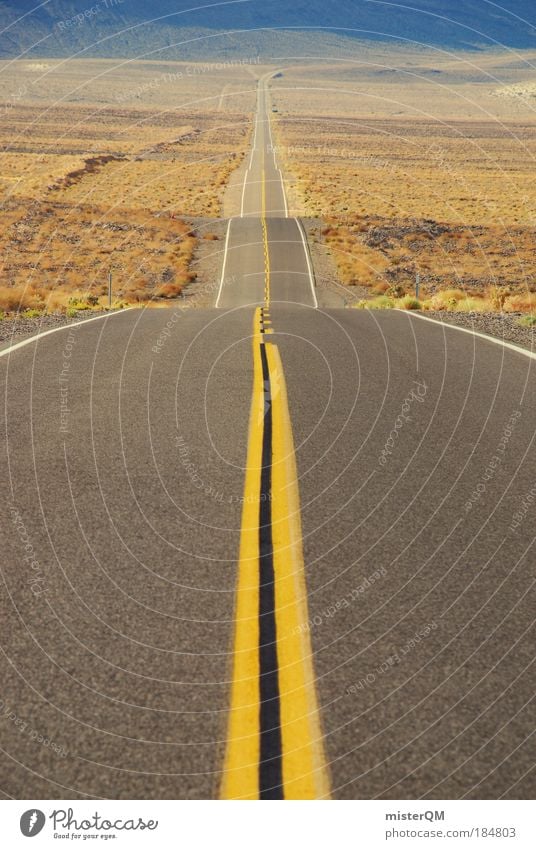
(252, 274)
(267, 549)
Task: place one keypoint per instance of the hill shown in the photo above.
(170, 29)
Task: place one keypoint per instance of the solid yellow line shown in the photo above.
(241, 768)
(305, 774)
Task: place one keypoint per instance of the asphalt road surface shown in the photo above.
(267, 549)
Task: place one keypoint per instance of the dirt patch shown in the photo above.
(91, 166)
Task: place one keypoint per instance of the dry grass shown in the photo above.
(422, 168)
(527, 321)
(453, 301)
(102, 167)
(183, 188)
(53, 252)
(97, 85)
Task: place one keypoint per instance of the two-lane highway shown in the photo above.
(266, 255)
(267, 550)
(263, 190)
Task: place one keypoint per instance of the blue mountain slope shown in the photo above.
(131, 27)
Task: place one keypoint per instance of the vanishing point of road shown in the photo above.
(270, 549)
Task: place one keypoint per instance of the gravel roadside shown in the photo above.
(502, 325)
(330, 292)
(20, 327)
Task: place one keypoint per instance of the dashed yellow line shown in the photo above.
(267, 273)
(304, 771)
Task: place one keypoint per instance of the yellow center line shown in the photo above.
(267, 273)
(304, 771)
(240, 776)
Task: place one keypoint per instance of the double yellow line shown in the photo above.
(267, 270)
(275, 745)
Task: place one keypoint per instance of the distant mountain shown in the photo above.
(170, 29)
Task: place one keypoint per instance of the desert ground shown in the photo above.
(104, 166)
(413, 163)
(418, 163)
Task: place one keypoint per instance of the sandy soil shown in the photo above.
(416, 163)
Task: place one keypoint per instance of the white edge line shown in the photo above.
(224, 266)
(496, 341)
(37, 336)
(308, 258)
(244, 193)
(248, 169)
(284, 191)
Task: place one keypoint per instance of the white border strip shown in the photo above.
(308, 258)
(224, 266)
(253, 149)
(496, 341)
(37, 336)
(283, 189)
(244, 193)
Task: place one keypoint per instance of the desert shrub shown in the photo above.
(139, 295)
(56, 301)
(521, 303)
(380, 288)
(446, 300)
(455, 304)
(474, 305)
(84, 302)
(449, 295)
(527, 321)
(381, 303)
(409, 303)
(435, 303)
(78, 302)
(497, 296)
(19, 298)
(396, 291)
(169, 290)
